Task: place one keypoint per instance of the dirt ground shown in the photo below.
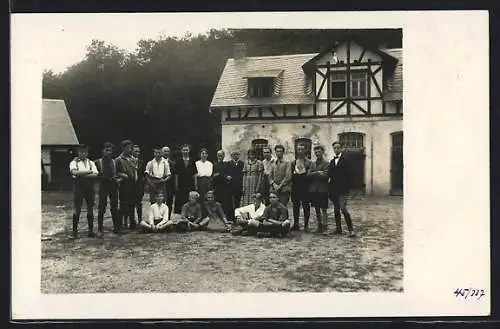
(219, 262)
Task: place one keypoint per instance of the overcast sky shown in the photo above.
(63, 38)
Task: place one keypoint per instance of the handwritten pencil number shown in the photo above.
(458, 292)
(461, 292)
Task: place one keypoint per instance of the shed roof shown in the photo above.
(394, 88)
(57, 128)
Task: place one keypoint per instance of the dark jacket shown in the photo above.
(236, 173)
(103, 173)
(185, 174)
(141, 169)
(219, 181)
(340, 176)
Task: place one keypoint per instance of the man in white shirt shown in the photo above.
(158, 219)
(244, 215)
(83, 171)
(157, 174)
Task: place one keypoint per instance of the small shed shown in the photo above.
(59, 142)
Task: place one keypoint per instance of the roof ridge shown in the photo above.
(278, 56)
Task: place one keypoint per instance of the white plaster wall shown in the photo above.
(377, 132)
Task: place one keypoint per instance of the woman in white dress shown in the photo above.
(204, 177)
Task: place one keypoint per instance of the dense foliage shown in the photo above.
(159, 94)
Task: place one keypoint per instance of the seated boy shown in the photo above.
(243, 215)
(157, 220)
(190, 215)
(214, 212)
(274, 220)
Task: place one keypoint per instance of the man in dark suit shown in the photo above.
(221, 186)
(339, 174)
(185, 180)
(170, 184)
(126, 170)
(141, 180)
(234, 174)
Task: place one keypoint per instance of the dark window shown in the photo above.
(397, 140)
(260, 87)
(307, 143)
(397, 166)
(352, 141)
(353, 145)
(359, 84)
(338, 84)
(258, 145)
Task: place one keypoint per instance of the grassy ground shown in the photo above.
(220, 262)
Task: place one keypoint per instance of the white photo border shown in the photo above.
(446, 127)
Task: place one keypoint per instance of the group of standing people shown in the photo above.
(248, 197)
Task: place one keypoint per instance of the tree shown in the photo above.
(160, 93)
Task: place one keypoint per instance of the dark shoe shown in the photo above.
(306, 228)
(237, 231)
(91, 234)
(74, 235)
(295, 228)
(337, 232)
(251, 232)
(352, 234)
(320, 229)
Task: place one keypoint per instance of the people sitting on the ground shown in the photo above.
(214, 212)
(190, 216)
(274, 220)
(158, 220)
(243, 215)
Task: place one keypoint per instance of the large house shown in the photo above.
(59, 141)
(349, 93)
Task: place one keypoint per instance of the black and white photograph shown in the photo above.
(195, 157)
(248, 160)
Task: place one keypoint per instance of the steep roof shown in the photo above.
(394, 89)
(293, 88)
(57, 128)
(292, 85)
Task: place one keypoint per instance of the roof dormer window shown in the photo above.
(264, 83)
(260, 87)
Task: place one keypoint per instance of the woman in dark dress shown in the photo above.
(185, 178)
(221, 185)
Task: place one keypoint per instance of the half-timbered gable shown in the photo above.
(349, 92)
(349, 78)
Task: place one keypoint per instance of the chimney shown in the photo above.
(239, 50)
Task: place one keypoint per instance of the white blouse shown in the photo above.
(249, 211)
(205, 169)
